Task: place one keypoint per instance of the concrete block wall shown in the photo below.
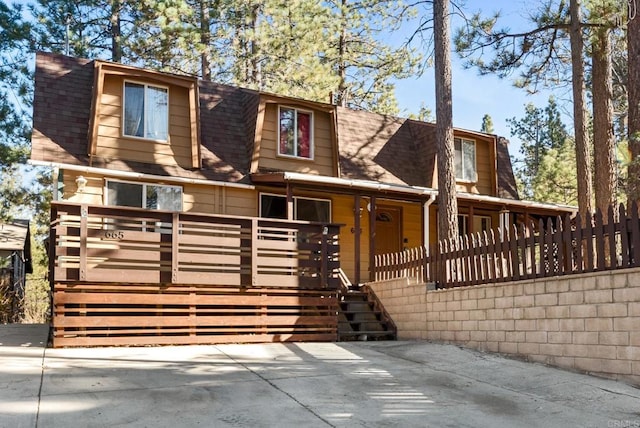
(589, 322)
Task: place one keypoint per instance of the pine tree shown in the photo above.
(540, 130)
(556, 180)
(15, 91)
(487, 124)
(447, 199)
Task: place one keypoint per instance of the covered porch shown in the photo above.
(382, 218)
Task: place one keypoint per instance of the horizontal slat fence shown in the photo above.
(559, 246)
(126, 276)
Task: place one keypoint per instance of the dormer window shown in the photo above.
(295, 129)
(465, 159)
(146, 111)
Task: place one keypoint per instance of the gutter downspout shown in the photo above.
(426, 219)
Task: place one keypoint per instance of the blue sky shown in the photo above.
(474, 95)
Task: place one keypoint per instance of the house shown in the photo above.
(123, 136)
(139, 145)
(15, 262)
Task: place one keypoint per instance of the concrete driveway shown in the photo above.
(356, 384)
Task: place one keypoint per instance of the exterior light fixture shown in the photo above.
(81, 183)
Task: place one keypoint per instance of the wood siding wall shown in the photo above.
(112, 144)
(195, 198)
(486, 169)
(323, 159)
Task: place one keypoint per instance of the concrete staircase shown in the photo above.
(362, 317)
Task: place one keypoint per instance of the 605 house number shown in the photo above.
(114, 235)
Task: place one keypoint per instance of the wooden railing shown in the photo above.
(561, 246)
(118, 244)
(126, 276)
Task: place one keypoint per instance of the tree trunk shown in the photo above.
(342, 96)
(256, 69)
(633, 91)
(205, 38)
(583, 154)
(116, 35)
(604, 144)
(447, 201)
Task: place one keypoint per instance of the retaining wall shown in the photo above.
(587, 322)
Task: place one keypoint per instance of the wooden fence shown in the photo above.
(559, 246)
(127, 276)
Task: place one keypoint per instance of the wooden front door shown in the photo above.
(388, 238)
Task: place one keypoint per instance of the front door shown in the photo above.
(388, 230)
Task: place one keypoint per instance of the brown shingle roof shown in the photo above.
(61, 108)
(506, 181)
(384, 148)
(371, 146)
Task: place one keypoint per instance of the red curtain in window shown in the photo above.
(304, 135)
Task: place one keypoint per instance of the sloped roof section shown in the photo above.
(506, 181)
(228, 118)
(61, 108)
(380, 148)
(16, 238)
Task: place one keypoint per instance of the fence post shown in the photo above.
(579, 245)
(84, 213)
(634, 240)
(588, 234)
(515, 254)
(568, 250)
(599, 232)
(175, 247)
(254, 251)
(611, 233)
(324, 266)
(624, 236)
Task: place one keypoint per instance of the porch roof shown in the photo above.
(13, 236)
(408, 192)
(354, 185)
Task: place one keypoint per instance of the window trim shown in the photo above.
(295, 205)
(144, 185)
(475, 160)
(146, 85)
(311, 133)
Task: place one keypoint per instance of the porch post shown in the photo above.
(289, 201)
(425, 223)
(356, 236)
(372, 238)
(470, 222)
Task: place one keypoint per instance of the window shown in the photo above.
(295, 133)
(307, 209)
(146, 111)
(143, 195)
(465, 159)
(481, 223)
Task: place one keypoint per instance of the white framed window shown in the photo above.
(465, 165)
(143, 195)
(307, 209)
(295, 132)
(481, 223)
(146, 111)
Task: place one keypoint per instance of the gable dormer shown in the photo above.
(296, 136)
(144, 116)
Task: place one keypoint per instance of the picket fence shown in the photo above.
(555, 247)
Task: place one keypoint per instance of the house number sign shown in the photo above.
(114, 235)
